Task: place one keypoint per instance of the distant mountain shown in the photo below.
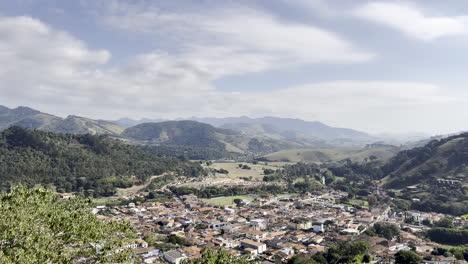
(196, 134)
(295, 131)
(307, 128)
(33, 119)
(127, 122)
(182, 133)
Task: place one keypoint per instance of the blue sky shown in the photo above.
(376, 66)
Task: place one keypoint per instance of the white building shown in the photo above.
(258, 224)
(174, 256)
(259, 247)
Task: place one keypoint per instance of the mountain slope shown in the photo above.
(93, 165)
(181, 133)
(436, 173)
(295, 130)
(308, 128)
(33, 119)
(330, 155)
(195, 134)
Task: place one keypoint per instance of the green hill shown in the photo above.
(199, 135)
(330, 155)
(92, 165)
(436, 174)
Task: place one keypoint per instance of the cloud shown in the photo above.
(412, 20)
(55, 72)
(235, 34)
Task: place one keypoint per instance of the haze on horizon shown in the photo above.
(374, 66)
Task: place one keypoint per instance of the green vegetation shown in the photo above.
(407, 257)
(210, 192)
(190, 152)
(451, 236)
(87, 164)
(330, 155)
(178, 133)
(220, 256)
(341, 252)
(437, 173)
(385, 230)
(37, 227)
(228, 200)
(434, 174)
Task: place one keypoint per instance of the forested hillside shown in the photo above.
(91, 165)
(436, 174)
(433, 177)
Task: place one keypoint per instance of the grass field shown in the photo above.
(328, 155)
(256, 171)
(228, 200)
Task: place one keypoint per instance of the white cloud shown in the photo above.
(413, 21)
(235, 34)
(55, 72)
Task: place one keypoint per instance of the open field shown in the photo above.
(329, 155)
(228, 200)
(128, 192)
(256, 171)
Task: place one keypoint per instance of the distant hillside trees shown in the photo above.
(87, 164)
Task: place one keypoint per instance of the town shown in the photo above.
(272, 229)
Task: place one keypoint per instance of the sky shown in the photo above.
(375, 66)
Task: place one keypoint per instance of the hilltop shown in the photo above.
(33, 119)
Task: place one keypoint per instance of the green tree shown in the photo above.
(37, 227)
(372, 200)
(446, 222)
(407, 257)
(221, 256)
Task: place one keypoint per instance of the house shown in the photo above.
(318, 227)
(139, 243)
(65, 196)
(301, 224)
(174, 257)
(258, 224)
(259, 247)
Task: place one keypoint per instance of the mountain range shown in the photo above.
(232, 134)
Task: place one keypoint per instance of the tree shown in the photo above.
(407, 257)
(445, 222)
(372, 200)
(386, 230)
(37, 227)
(237, 201)
(218, 257)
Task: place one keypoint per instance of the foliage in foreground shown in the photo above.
(37, 227)
(221, 256)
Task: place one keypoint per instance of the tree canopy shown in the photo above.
(37, 227)
(91, 165)
(407, 257)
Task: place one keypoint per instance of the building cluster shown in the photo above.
(273, 229)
